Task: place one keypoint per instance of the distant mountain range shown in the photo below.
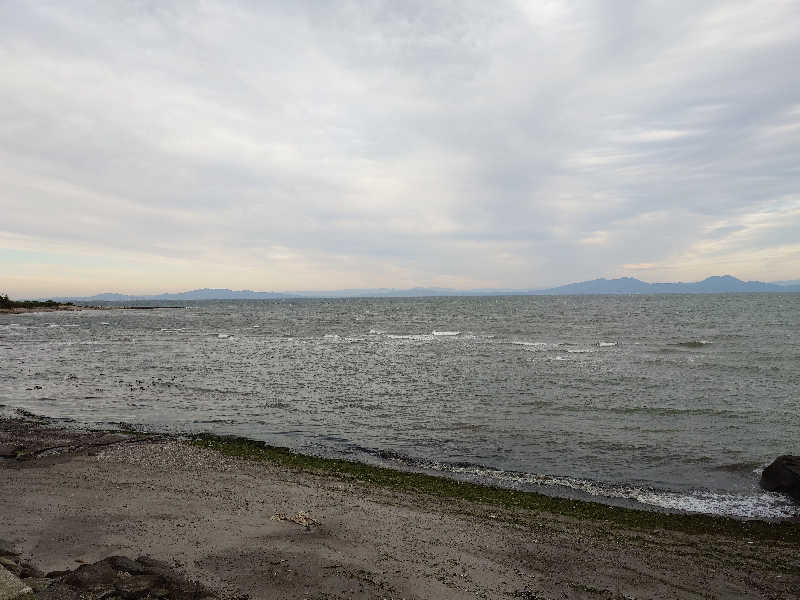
(725, 284)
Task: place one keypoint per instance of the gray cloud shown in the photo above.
(313, 145)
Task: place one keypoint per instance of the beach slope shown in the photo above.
(272, 531)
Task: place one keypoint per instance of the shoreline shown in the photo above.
(420, 479)
(77, 308)
(403, 476)
(447, 487)
(245, 518)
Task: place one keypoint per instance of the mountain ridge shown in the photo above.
(716, 284)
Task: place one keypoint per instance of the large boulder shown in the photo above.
(783, 475)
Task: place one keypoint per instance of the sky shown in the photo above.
(152, 146)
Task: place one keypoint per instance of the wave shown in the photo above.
(755, 505)
(693, 344)
(411, 336)
(446, 333)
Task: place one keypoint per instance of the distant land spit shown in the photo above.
(725, 284)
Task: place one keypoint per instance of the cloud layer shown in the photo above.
(156, 146)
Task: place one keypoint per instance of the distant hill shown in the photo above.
(201, 294)
(725, 284)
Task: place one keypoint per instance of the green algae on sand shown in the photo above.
(532, 502)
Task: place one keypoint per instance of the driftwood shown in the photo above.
(301, 518)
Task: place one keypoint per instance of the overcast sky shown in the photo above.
(155, 146)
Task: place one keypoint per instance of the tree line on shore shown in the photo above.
(6, 302)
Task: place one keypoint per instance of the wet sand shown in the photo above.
(228, 522)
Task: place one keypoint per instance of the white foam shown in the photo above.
(754, 505)
(758, 505)
(224, 336)
(446, 333)
(411, 336)
(331, 336)
(579, 350)
(606, 344)
(376, 331)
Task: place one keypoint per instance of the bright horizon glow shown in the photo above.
(517, 145)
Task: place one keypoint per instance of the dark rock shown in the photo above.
(157, 567)
(120, 578)
(28, 570)
(88, 576)
(59, 591)
(783, 475)
(125, 565)
(139, 586)
(56, 574)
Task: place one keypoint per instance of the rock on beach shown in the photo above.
(783, 475)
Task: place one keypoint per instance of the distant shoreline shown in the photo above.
(19, 310)
(76, 308)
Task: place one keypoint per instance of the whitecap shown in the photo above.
(534, 346)
(763, 505)
(606, 344)
(446, 333)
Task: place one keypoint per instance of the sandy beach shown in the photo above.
(265, 530)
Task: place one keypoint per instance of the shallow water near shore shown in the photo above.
(671, 402)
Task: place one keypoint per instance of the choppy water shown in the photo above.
(669, 401)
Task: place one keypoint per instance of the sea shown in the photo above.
(666, 402)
